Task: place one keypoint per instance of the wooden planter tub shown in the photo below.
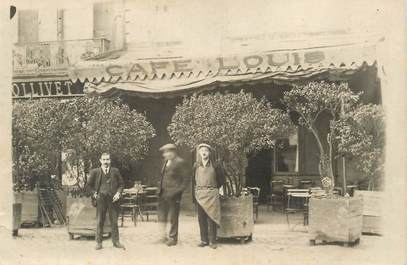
(237, 218)
(81, 217)
(337, 219)
(372, 216)
(29, 206)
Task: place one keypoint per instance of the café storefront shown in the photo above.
(156, 85)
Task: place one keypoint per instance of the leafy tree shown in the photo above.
(361, 135)
(234, 124)
(310, 102)
(109, 125)
(43, 128)
(39, 128)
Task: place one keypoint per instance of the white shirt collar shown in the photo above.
(106, 169)
(205, 162)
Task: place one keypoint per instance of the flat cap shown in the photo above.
(168, 147)
(204, 145)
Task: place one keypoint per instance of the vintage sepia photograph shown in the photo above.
(204, 132)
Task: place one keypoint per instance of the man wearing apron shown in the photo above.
(207, 178)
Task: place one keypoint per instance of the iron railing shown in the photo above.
(47, 56)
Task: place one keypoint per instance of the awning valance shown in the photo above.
(180, 74)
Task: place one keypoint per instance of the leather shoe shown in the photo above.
(98, 246)
(171, 242)
(213, 245)
(118, 245)
(162, 241)
(203, 244)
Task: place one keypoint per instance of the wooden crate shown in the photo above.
(29, 205)
(82, 217)
(372, 210)
(236, 217)
(336, 219)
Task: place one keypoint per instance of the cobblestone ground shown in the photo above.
(273, 243)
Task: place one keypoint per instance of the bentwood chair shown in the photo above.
(149, 204)
(297, 202)
(129, 208)
(276, 198)
(306, 184)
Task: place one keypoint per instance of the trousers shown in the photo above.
(104, 205)
(168, 210)
(207, 226)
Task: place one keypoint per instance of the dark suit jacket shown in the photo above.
(220, 177)
(176, 178)
(94, 179)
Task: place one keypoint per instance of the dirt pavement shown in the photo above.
(273, 243)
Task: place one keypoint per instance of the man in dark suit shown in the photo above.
(106, 185)
(174, 180)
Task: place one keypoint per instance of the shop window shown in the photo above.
(286, 154)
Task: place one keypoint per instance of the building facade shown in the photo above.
(146, 53)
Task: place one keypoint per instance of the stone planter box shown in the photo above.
(372, 214)
(237, 218)
(29, 204)
(336, 219)
(81, 217)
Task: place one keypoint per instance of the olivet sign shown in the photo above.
(275, 59)
(41, 89)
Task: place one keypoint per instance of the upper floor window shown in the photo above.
(103, 20)
(28, 22)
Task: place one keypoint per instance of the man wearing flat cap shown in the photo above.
(207, 178)
(174, 180)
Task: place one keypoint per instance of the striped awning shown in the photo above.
(124, 72)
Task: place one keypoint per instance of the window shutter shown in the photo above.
(103, 20)
(28, 26)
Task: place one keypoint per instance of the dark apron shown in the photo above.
(206, 192)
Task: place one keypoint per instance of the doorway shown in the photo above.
(258, 172)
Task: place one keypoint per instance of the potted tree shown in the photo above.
(100, 125)
(361, 135)
(315, 103)
(236, 125)
(36, 134)
(44, 129)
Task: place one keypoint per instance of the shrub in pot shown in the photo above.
(236, 125)
(102, 125)
(34, 145)
(43, 129)
(361, 135)
(310, 102)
